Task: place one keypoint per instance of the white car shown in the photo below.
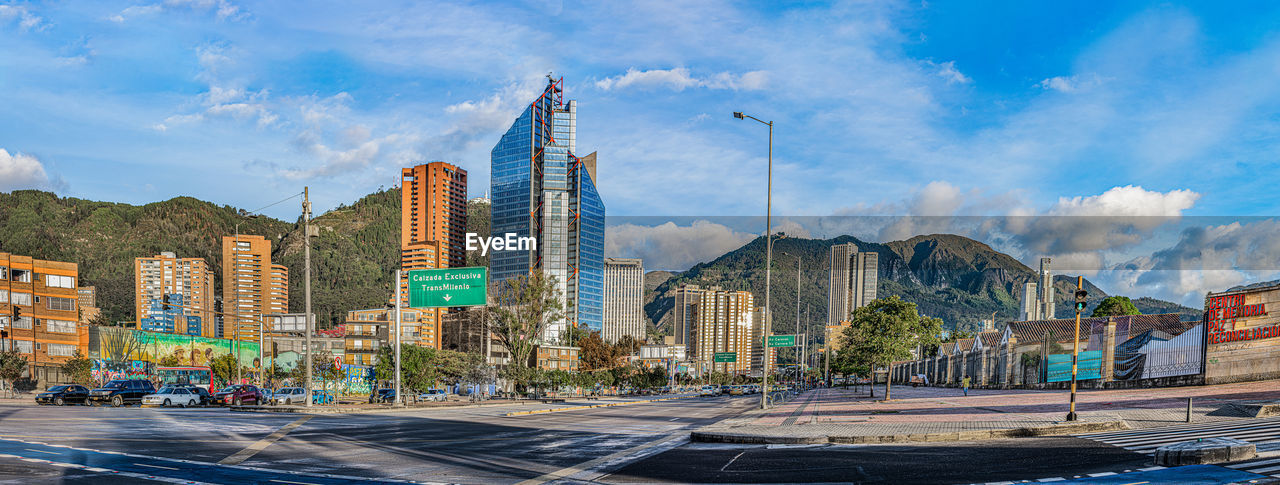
(170, 396)
(289, 395)
(709, 391)
(433, 395)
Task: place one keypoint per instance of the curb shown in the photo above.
(571, 408)
(1053, 430)
(337, 410)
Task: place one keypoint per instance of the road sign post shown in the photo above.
(448, 287)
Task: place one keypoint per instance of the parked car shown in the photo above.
(322, 397)
(171, 395)
(433, 395)
(61, 395)
(239, 394)
(382, 395)
(206, 398)
(288, 395)
(736, 391)
(709, 391)
(121, 392)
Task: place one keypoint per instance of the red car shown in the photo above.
(239, 394)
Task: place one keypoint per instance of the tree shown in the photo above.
(595, 353)
(957, 336)
(223, 368)
(12, 365)
(79, 369)
(420, 367)
(885, 331)
(525, 306)
(1115, 306)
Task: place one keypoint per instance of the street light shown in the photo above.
(768, 262)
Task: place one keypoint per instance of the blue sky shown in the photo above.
(1008, 111)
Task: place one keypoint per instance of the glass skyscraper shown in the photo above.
(540, 188)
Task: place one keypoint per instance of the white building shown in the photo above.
(623, 299)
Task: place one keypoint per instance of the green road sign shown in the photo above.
(782, 340)
(448, 287)
(726, 357)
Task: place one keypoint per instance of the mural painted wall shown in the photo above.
(119, 348)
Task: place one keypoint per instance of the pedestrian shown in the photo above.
(964, 384)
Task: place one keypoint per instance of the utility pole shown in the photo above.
(798, 307)
(399, 400)
(306, 251)
(1081, 301)
(768, 263)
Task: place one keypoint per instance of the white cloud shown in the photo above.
(223, 9)
(947, 70)
(1117, 218)
(22, 171)
(680, 78)
(1070, 84)
(672, 247)
(27, 20)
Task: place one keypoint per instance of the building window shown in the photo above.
(4, 296)
(21, 298)
(23, 346)
(55, 281)
(61, 350)
(21, 275)
(22, 323)
(60, 326)
(4, 273)
(63, 304)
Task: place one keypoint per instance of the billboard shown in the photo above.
(1089, 366)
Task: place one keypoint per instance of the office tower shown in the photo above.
(1046, 290)
(1030, 302)
(623, 299)
(724, 323)
(433, 226)
(684, 314)
(758, 318)
(252, 287)
(47, 329)
(191, 279)
(542, 189)
(854, 276)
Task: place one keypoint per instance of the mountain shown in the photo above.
(352, 259)
(654, 278)
(954, 278)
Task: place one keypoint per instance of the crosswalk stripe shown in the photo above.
(1182, 429)
(1213, 425)
(1263, 470)
(1149, 440)
(1254, 463)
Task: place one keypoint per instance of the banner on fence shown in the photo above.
(1089, 367)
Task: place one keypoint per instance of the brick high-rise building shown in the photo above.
(433, 227)
(252, 287)
(623, 299)
(724, 323)
(191, 279)
(48, 330)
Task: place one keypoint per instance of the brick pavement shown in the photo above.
(934, 410)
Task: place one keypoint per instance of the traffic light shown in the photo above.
(1081, 299)
(17, 313)
(166, 302)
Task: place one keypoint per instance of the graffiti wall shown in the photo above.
(123, 346)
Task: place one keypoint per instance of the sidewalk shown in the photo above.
(945, 414)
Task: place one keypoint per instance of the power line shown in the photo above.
(291, 197)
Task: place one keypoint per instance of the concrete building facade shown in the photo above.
(724, 323)
(854, 277)
(191, 279)
(623, 299)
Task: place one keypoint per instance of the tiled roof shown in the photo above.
(965, 344)
(1062, 328)
(990, 339)
(946, 348)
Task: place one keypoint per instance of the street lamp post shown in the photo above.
(768, 262)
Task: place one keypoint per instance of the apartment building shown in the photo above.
(723, 323)
(370, 329)
(433, 225)
(47, 329)
(252, 287)
(187, 281)
(854, 278)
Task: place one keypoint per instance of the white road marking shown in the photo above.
(155, 466)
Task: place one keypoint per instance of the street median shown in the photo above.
(851, 435)
(592, 406)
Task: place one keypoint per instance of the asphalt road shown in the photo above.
(468, 445)
(639, 443)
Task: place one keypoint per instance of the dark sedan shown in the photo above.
(63, 395)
